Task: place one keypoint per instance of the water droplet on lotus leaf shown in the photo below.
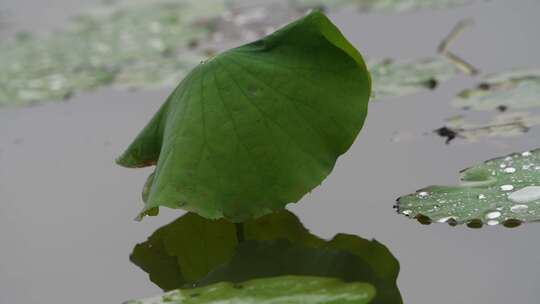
(493, 215)
(525, 195)
(510, 170)
(423, 194)
(492, 222)
(519, 208)
(507, 187)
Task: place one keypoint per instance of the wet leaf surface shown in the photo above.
(196, 251)
(519, 89)
(256, 127)
(279, 290)
(504, 191)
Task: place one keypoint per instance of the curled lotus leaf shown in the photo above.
(256, 127)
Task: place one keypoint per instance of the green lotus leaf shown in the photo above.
(519, 89)
(258, 126)
(260, 259)
(278, 290)
(504, 191)
(185, 252)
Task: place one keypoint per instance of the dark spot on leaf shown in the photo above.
(238, 286)
(422, 219)
(432, 83)
(484, 86)
(476, 223)
(193, 43)
(452, 222)
(502, 108)
(512, 223)
(446, 132)
(68, 95)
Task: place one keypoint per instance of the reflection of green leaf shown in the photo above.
(280, 290)
(275, 258)
(185, 251)
(516, 90)
(391, 79)
(256, 127)
(191, 246)
(504, 190)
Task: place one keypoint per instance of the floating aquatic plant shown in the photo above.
(501, 125)
(277, 290)
(504, 191)
(519, 89)
(391, 5)
(393, 79)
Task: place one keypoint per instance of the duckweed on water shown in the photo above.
(500, 191)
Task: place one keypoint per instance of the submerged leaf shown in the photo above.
(391, 79)
(138, 44)
(256, 127)
(189, 251)
(132, 44)
(392, 5)
(504, 191)
(518, 89)
(502, 125)
(279, 290)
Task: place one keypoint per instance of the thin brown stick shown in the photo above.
(454, 33)
(463, 65)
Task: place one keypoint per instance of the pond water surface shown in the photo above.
(66, 210)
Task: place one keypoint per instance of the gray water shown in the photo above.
(66, 210)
